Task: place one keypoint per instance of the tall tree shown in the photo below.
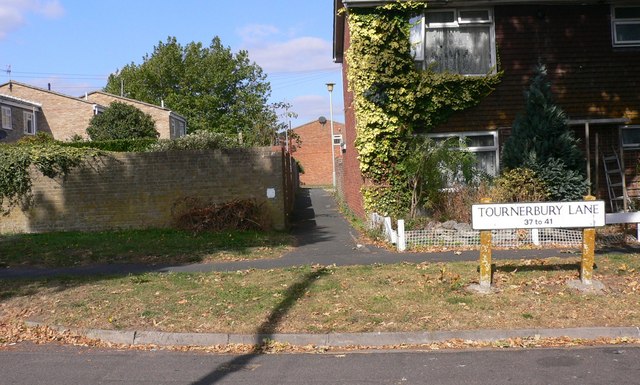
(215, 89)
(542, 141)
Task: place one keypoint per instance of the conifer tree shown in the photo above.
(542, 141)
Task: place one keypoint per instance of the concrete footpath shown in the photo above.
(323, 237)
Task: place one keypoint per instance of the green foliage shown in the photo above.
(563, 183)
(392, 98)
(51, 159)
(116, 145)
(519, 185)
(542, 141)
(213, 88)
(199, 140)
(430, 166)
(122, 121)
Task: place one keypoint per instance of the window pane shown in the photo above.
(631, 136)
(627, 13)
(480, 141)
(627, 32)
(441, 17)
(474, 16)
(486, 162)
(417, 38)
(465, 51)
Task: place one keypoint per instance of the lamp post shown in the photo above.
(333, 156)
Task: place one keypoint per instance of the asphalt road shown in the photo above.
(55, 365)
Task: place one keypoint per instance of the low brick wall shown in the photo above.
(138, 190)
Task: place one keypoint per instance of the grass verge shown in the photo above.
(316, 299)
(138, 246)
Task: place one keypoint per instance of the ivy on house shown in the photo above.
(393, 99)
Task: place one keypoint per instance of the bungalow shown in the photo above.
(66, 117)
(592, 52)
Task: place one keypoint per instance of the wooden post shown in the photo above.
(588, 251)
(485, 254)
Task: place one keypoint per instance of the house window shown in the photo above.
(6, 118)
(483, 144)
(459, 41)
(630, 137)
(29, 128)
(625, 26)
(178, 128)
(337, 139)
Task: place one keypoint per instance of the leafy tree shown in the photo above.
(122, 121)
(215, 89)
(430, 166)
(542, 141)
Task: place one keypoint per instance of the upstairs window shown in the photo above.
(625, 26)
(6, 118)
(29, 127)
(459, 41)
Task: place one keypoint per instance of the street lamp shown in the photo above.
(333, 156)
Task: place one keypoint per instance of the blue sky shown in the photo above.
(76, 44)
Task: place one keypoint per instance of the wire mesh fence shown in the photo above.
(452, 239)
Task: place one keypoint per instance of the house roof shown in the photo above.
(19, 102)
(136, 101)
(339, 16)
(13, 82)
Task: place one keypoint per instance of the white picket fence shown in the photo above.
(467, 238)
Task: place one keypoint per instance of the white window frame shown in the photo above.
(337, 139)
(29, 117)
(615, 22)
(420, 26)
(7, 123)
(495, 148)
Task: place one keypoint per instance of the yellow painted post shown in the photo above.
(588, 251)
(485, 254)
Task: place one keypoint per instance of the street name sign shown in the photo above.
(496, 216)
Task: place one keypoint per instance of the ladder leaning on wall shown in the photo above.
(616, 184)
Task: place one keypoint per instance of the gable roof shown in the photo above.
(117, 97)
(19, 102)
(13, 82)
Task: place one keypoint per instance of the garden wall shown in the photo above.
(138, 190)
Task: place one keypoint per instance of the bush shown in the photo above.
(454, 204)
(122, 121)
(563, 184)
(199, 140)
(519, 185)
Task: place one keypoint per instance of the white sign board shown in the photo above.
(494, 216)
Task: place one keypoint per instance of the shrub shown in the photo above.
(199, 140)
(519, 185)
(122, 121)
(116, 145)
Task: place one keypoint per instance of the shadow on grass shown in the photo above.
(266, 330)
(514, 267)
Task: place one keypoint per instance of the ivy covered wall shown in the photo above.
(392, 100)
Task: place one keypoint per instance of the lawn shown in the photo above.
(138, 246)
(320, 299)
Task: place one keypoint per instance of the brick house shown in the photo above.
(314, 151)
(169, 124)
(592, 53)
(65, 116)
(19, 117)
(60, 115)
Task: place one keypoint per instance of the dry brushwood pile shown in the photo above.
(192, 214)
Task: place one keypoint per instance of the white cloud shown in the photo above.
(13, 13)
(295, 55)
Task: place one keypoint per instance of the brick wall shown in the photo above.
(127, 191)
(62, 116)
(314, 152)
